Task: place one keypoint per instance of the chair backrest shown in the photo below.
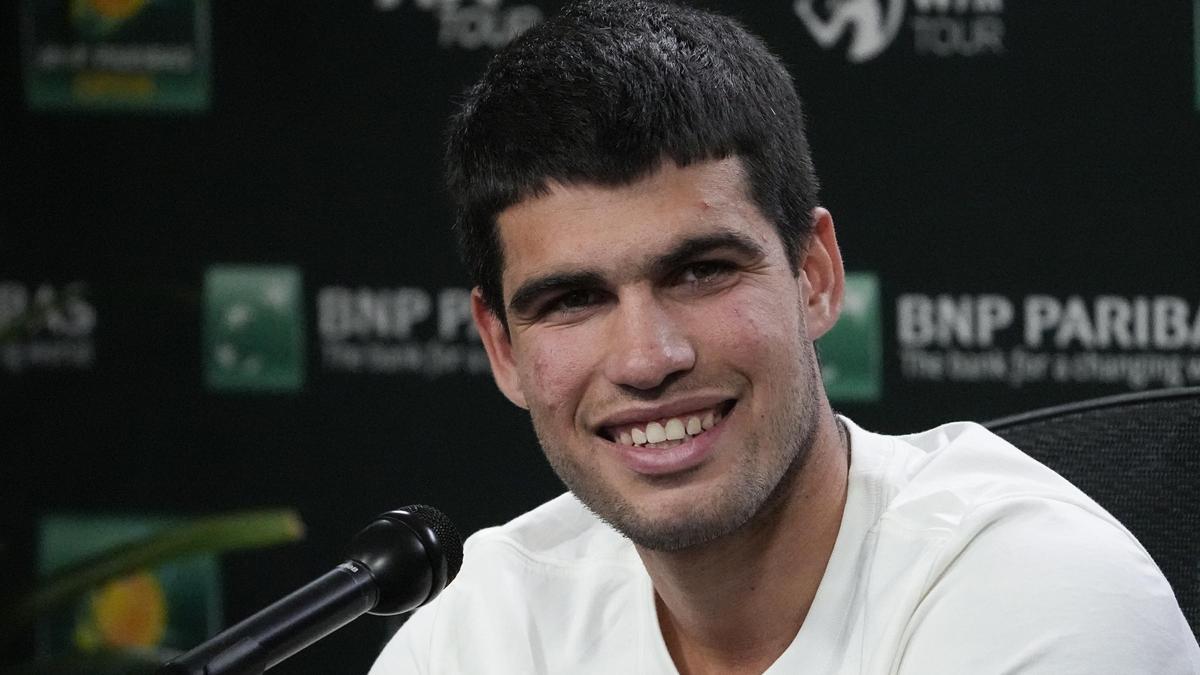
(1137, 455)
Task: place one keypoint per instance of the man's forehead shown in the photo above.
(727, 173)
(622, 230)
(562, 223)
(667, 193)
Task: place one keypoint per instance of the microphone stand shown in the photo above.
(397, 563)
(285, 627)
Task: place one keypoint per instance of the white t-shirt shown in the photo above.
(957, 554)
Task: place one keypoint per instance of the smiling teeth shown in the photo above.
(655, 433)
(675, 430)
(667, 432)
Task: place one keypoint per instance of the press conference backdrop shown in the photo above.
(227, 279)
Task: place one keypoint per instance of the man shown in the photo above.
(638, 209)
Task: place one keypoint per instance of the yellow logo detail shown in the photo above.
(126, 612)
(116, 9)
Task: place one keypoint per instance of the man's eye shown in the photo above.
(573, 301)
(705, 272)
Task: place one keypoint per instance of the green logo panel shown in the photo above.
(135, 55)
(175, 605)
(852, 351)
(254, 332)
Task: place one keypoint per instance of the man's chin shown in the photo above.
(676, 536)
(671, 527)
(663, 512)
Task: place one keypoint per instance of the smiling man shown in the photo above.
(638, 209)
(656, 333)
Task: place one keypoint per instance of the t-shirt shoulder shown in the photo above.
(544, 578)
(939, 477)
(981, 559)
(561, 532)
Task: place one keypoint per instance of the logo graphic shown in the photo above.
(404, 330)
(1137, 342)
(174, 605)
(46, 327)
(872, 30)
(940, 28)
(98, 19)
(116, 54)
(852, 351)
(486, 23)
(253, 328)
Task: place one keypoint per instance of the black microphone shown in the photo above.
(396, 564)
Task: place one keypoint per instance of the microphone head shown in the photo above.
(444, 532)
(412, 553)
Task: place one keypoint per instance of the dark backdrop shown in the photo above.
(1059, 165)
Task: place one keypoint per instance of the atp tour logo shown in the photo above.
(942, 28)
(872, 28)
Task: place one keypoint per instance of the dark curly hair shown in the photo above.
(603, 93)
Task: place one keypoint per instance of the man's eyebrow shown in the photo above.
(528, 293)
(685, 251)
(694, 247)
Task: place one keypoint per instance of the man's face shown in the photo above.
(664, 308)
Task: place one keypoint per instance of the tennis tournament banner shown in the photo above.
(1137, 342)
(116, 54)
(228, 281)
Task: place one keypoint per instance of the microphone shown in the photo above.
(399, 562)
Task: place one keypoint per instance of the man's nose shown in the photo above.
(648, 345)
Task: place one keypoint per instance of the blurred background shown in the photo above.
(228, 287)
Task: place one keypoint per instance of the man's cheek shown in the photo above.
(555, 373)
(748, 322)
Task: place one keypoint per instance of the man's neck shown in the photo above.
(735, 604)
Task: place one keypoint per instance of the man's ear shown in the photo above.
(499, 348)
(823, 281)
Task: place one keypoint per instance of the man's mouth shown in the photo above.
(668, 432)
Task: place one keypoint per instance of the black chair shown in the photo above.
(1138, 455)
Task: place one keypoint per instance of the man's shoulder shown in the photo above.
(960, 493)
(1066, 586)
(947, 494)
(557, 534)
(533, 594)
(961, 470)
(994, 562)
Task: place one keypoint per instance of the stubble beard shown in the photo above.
(750, 494)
